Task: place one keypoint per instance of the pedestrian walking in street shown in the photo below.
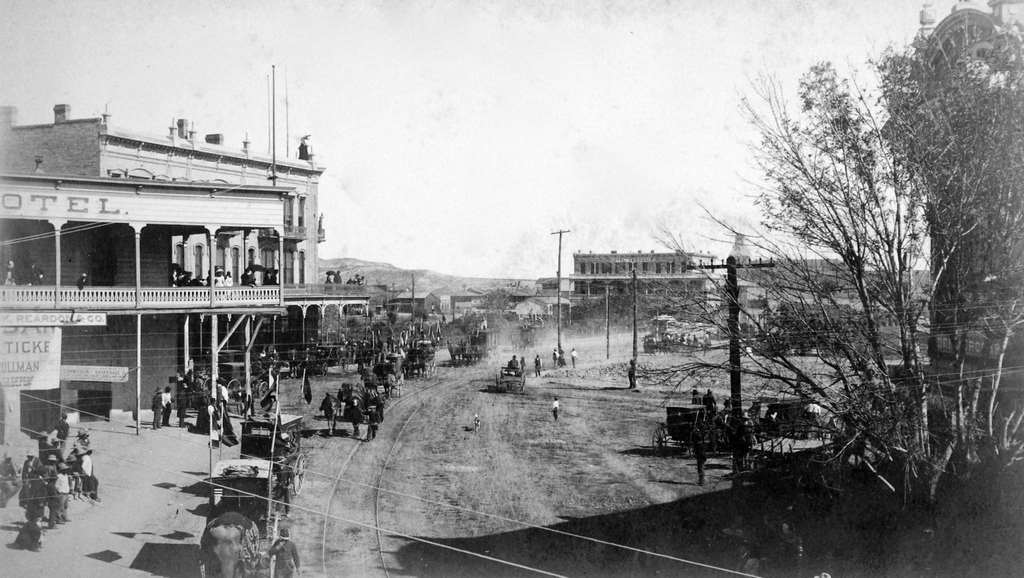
(631, 374)
(327, 406)
(157, 405)
(165, 407)
(554, 358)
(373, 423)
(699, 452)
(285, 555)
(554, 409)
(709, 403)
(536, 366)
(573, 356)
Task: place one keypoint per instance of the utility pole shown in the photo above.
(412, 303)
(634, 315)
(732, 288)
(273, 126)
(558, 289)
(607, 325)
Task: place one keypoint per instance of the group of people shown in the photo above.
(16, 275)
(355, 409)
(47, 483)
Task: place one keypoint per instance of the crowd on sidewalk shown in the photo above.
(47, 483)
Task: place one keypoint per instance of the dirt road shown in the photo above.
(485, 502)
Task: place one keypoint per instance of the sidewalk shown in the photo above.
(152, 513)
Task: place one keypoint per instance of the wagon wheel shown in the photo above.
(659, 440)
(298, 474)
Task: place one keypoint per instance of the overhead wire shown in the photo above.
(467, 510)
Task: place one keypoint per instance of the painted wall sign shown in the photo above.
(103, 373)
(151, 207)
(52, 319)
(30, 357)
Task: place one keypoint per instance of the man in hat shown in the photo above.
(10, 483)
(90, 485)
(285, 554)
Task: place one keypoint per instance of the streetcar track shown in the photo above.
(380, 480)
(344, 465)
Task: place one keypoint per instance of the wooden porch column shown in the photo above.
(214, 350)
(138, 373)
(187, 352)
(58, 224)
(137, 228)
(211, 238)
(248, 356)
(280, 261)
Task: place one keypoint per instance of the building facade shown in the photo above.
(90, 320)
(660, 272)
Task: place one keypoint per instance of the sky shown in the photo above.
(457, 135)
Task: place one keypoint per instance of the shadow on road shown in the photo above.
(769, 519)
(168, 560)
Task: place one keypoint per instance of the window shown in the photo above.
(222, 256)
(289, 267)
(289, 211)
(252, 255)
(267, 258)
(197, 261)
(302, 267)
(302, 211)
(235, 258)
(179, 255)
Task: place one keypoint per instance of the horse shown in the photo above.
(229, 547)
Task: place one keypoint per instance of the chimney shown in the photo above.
(61, 112)
(182, 128)
(215, 139)
(8, 116)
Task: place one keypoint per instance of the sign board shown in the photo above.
(52, 319)
(94, 373)
(30, 357)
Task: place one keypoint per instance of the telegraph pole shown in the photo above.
(558, 289)
(607, 325)
(732, 288)
(634, 315)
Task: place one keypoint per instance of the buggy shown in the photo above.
(509, 380)
(680, 421)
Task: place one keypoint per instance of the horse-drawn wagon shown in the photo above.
(679, 426)
(271, 461)
(509, 380)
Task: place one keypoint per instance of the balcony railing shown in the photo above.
(42, 297)
(294, 232)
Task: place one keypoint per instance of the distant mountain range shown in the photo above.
(426, 281)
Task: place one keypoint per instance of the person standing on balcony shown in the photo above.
(228, 281)
(9, 273)
(83, 280)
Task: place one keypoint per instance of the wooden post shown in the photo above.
(57, 225)
(137, 228)
(733, 290)
(138, 373)
(634, 315)
(607, 325)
